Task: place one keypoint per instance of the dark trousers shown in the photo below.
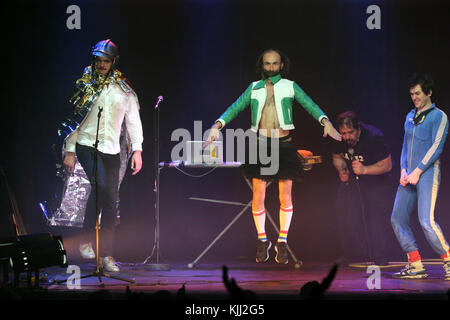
(363, 219)
(108, 167)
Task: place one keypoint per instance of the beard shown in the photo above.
(351, 142)
(268, 74)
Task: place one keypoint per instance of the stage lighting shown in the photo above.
(29, 253)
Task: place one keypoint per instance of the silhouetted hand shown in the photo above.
(133, 295)
(236, 292)
(181, 293)
(314, 290)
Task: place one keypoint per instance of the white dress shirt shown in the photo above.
(117, 107)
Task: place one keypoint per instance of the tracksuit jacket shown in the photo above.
(422, 146)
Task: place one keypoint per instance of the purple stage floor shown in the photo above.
(268, 281)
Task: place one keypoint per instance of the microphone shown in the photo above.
(351, 152)
(160, 98)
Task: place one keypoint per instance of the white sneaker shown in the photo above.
(109, 264)
(447, 270)
(86, 251)
(414, 270)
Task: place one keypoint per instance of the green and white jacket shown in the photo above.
(285, 91)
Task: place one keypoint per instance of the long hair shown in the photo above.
(284, 60)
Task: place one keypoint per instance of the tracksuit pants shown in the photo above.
(423, 195)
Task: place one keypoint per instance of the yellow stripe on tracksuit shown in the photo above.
(434, 192)
(437, 140)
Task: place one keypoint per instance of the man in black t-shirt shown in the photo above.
(363, 163)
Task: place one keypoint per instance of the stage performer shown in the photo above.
(270, 100)
(426, 128)
(118, 103)
(364, 200)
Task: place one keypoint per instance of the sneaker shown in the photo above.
(411, 272)
(262, 250)
(109, 264)
(282, 253)
(447, 270)
(86, 251)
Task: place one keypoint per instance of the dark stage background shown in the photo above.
(200, 56)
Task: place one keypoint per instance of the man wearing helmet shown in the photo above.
(115, 104)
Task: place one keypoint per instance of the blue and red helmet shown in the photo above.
(107, 49)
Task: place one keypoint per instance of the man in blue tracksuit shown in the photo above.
(426, 129)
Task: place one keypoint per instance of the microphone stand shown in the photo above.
(363, 211)
(158, 168)
(99, 268)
